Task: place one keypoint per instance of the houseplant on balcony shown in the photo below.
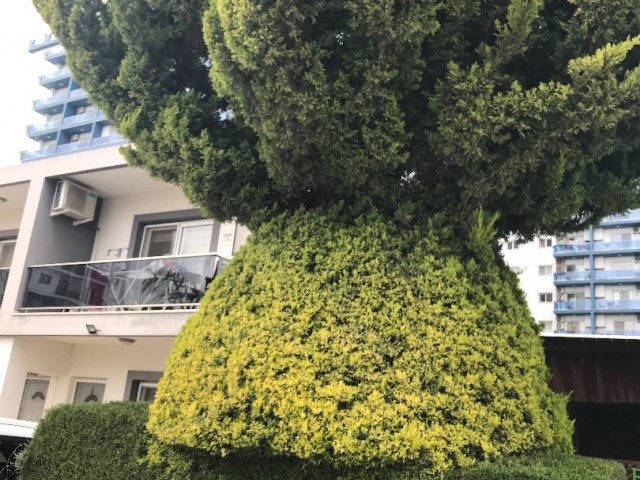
(423, 131)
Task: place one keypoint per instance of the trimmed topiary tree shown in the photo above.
(361, 345)
(405, 341)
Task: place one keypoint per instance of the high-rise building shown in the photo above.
(100, 264)
(586, 282)
(71, 123)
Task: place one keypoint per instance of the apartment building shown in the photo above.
(100, 264)
(71, 123)
(598, 278)
(583, 283)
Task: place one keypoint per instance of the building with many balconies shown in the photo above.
(584, 283)
(598, 278)
(71, 123)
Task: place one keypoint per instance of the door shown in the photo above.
(33, 397)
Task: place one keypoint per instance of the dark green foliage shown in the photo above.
(550, 466)
(90, 442)
(527, 108)
(361, 345)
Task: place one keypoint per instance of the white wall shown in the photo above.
(63, 363)
(526, 259)
(116, 218)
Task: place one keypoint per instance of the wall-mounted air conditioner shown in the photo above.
(74, 201)
(80, 110)
(75, 137)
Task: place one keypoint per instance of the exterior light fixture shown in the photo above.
(3, 200)
(91, 328)
(126, 341)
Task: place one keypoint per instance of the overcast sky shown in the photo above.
(19, 24)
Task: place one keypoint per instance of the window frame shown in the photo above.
(543, 296)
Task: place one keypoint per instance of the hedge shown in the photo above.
(90, 441)
(109, 441)
(361, 346)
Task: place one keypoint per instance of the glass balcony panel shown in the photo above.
(73, 146)
(58, 74)
(43, 127)
(156, 281)
(4, 275)
(111, 139)
(631, 217)
(82, 118)
(599, 304)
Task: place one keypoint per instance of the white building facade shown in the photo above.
(100, 267)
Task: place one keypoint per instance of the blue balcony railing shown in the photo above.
(597, 247)
(4, 274)
(599, 305)
(177, 282)
(631, 217)
(73, 147)
(599, 331)
(59, 99)
(48, 41)
(56, 76)
(598, 275)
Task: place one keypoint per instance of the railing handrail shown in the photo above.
(134, 259)
(62, 72)
(597, 275)
(4, 268)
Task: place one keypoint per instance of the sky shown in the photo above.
(19, 24)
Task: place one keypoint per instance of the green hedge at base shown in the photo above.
(550, 466)
(89, 442)
(108, 442)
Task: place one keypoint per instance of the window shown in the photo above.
(571, 268)
(146, 391)
(89, 392)
(545, 270)
(177, 238)
(512, 245)
(7, 247)
(545, 297)
(544, 242)
(44, 279)
(141, 386)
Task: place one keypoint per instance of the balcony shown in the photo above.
(578, 307)
(154, 283)
(96, 142)
(600, 248)
(58, 79)
(53, 104)
(48, 42)
(82, 118)
(631, 218)
(4, 274)
(599, 276)
(44, 131)
(57, 56)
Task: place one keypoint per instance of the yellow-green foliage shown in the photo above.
(360, 345)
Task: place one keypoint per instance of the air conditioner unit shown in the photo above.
(636, 229)
(74, 201)
(80, 110)
(75, 137)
